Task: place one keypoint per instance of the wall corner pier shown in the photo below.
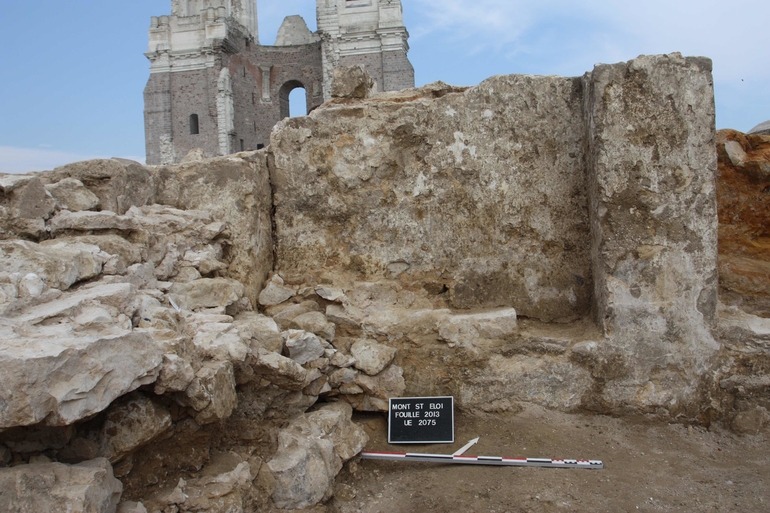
(652, 189)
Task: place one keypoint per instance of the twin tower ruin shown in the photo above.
(213, 86)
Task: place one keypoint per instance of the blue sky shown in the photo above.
(73, 71)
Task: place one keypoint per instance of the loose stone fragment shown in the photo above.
(207, 293)
(279, 370)
(303, 346)
(176, 374)
(72, 195)
(311, 452)
(371, 357)
(314, 322)
(275, 292)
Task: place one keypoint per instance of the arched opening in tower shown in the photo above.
(293, 99)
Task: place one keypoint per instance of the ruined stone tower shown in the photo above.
(213, 86)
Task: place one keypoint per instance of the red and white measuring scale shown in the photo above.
(459, 458)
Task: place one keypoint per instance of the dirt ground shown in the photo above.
(649, 467)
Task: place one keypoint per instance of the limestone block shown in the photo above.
(338, 377)
(350, 389)
(68, 378)
(389, 383)
(303, 346)
(212, 230)
(317, 387)
(59, 265)
(220, 341)
(342, 360)
(351, 82)
(118, 183)
(330, 293)
(311, 451)
(86, 221)
(465, 329)
(261, 330)
(206, 260)
(129, 253)
(371, 356)
(276, 292)
(287, 312)
(118, 295)
(83, 488)
(279, 370)
(93, 316)
(207, 293)
(130, 425)
(72, 195)
(175, 375)
(167, 220)
(314, 322)
(341, 315)
(217, 380)
(194, 155)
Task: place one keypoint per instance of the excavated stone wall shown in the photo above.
(196, 337)
(566, 199)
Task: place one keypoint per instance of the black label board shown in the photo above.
(421, 420)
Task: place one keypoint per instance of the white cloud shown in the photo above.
(24, 160)
(734, 36)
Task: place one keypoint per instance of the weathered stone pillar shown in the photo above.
(652, 169)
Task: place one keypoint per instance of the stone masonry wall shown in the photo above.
(566, 199)
(479, 195)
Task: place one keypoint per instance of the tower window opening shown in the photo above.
(194, 129)
(242, 147)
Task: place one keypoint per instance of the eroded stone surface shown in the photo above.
(84, 488)
(43, 378)
(311, 451)
(371, 357)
